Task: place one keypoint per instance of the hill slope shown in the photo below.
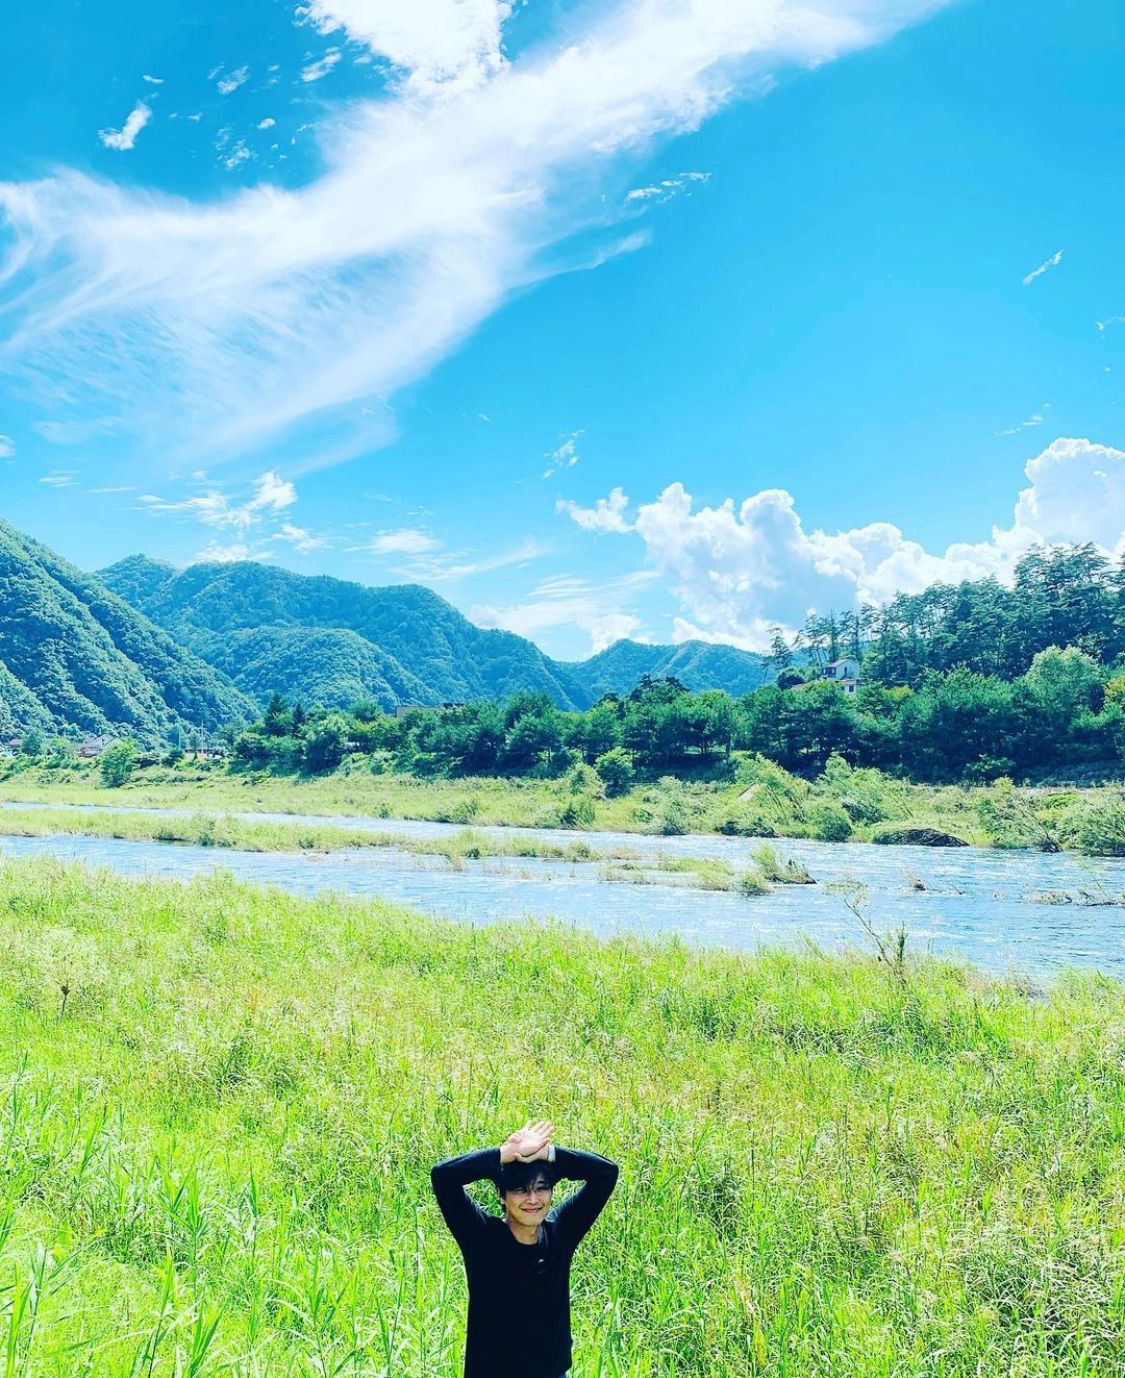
(75, 655)
(329, 641)
(421, 647)
(696, 664)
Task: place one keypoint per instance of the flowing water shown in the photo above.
(985, 906)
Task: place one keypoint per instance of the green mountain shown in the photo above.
(419, 646)
(696, 664)
(75, 656)
(331, 642)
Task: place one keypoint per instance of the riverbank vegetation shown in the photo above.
(762, 800)
(220, 1106)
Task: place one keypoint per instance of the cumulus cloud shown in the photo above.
(230, 321)
(606, 516)
(738, 570)
(124, 138)
(267, 123)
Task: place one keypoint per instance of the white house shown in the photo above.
(844, 672)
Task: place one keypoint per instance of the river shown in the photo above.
(985, 906)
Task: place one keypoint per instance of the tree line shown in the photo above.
(952, 725)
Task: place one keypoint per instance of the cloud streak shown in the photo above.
(230, 322)
(1047, 263)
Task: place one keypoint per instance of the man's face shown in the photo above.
(528, 1205)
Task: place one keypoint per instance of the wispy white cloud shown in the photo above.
(407, 541)
(1035, 419)
(667, 188)
(458, 565)
(153, 81)
(232, 81)
(120, 488)
(1051, 262)
(603, 611)
(315, 70)
(267, 123)
(301, 540)
(737, 571)
(482, 169)
(7, 447)
(124, 138)
(1103, 326)
(565, 455)
(213, 507)
(60, 478)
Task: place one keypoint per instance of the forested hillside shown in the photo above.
(398, 644)
(74, 656)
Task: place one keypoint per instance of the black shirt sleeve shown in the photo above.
(449, 1179)
(578, 1212)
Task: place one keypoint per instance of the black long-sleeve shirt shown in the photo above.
(519, 1294)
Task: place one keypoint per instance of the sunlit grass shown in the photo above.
(220, 1105)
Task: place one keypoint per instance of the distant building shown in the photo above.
(94, 746)
(843, 673)
(11, 747)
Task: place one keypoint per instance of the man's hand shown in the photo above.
(528, 1143)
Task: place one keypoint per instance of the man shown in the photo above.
(518, 1264)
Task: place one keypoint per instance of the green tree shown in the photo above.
(326, 744)
(117, 763)
(615, 770)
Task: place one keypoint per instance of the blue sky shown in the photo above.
(663, 318)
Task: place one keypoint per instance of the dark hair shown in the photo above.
(517, 1174)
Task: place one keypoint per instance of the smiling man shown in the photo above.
(518, 1264)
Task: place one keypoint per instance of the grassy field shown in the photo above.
(220, 1105)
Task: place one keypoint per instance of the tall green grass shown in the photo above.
(219, 1106)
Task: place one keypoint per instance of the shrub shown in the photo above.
(615, 770)
(752, 883)
(1097, 826)
(829, 823)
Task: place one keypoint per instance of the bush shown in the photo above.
(118, 760)
(615, 770)
(578, 812)
(829, 823)
(584, 779)
(752, 883)
(745, 820)
(1097, 826)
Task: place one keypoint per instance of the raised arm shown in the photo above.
(449, 1180)
(598, 1176)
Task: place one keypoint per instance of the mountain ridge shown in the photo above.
(424, 650)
